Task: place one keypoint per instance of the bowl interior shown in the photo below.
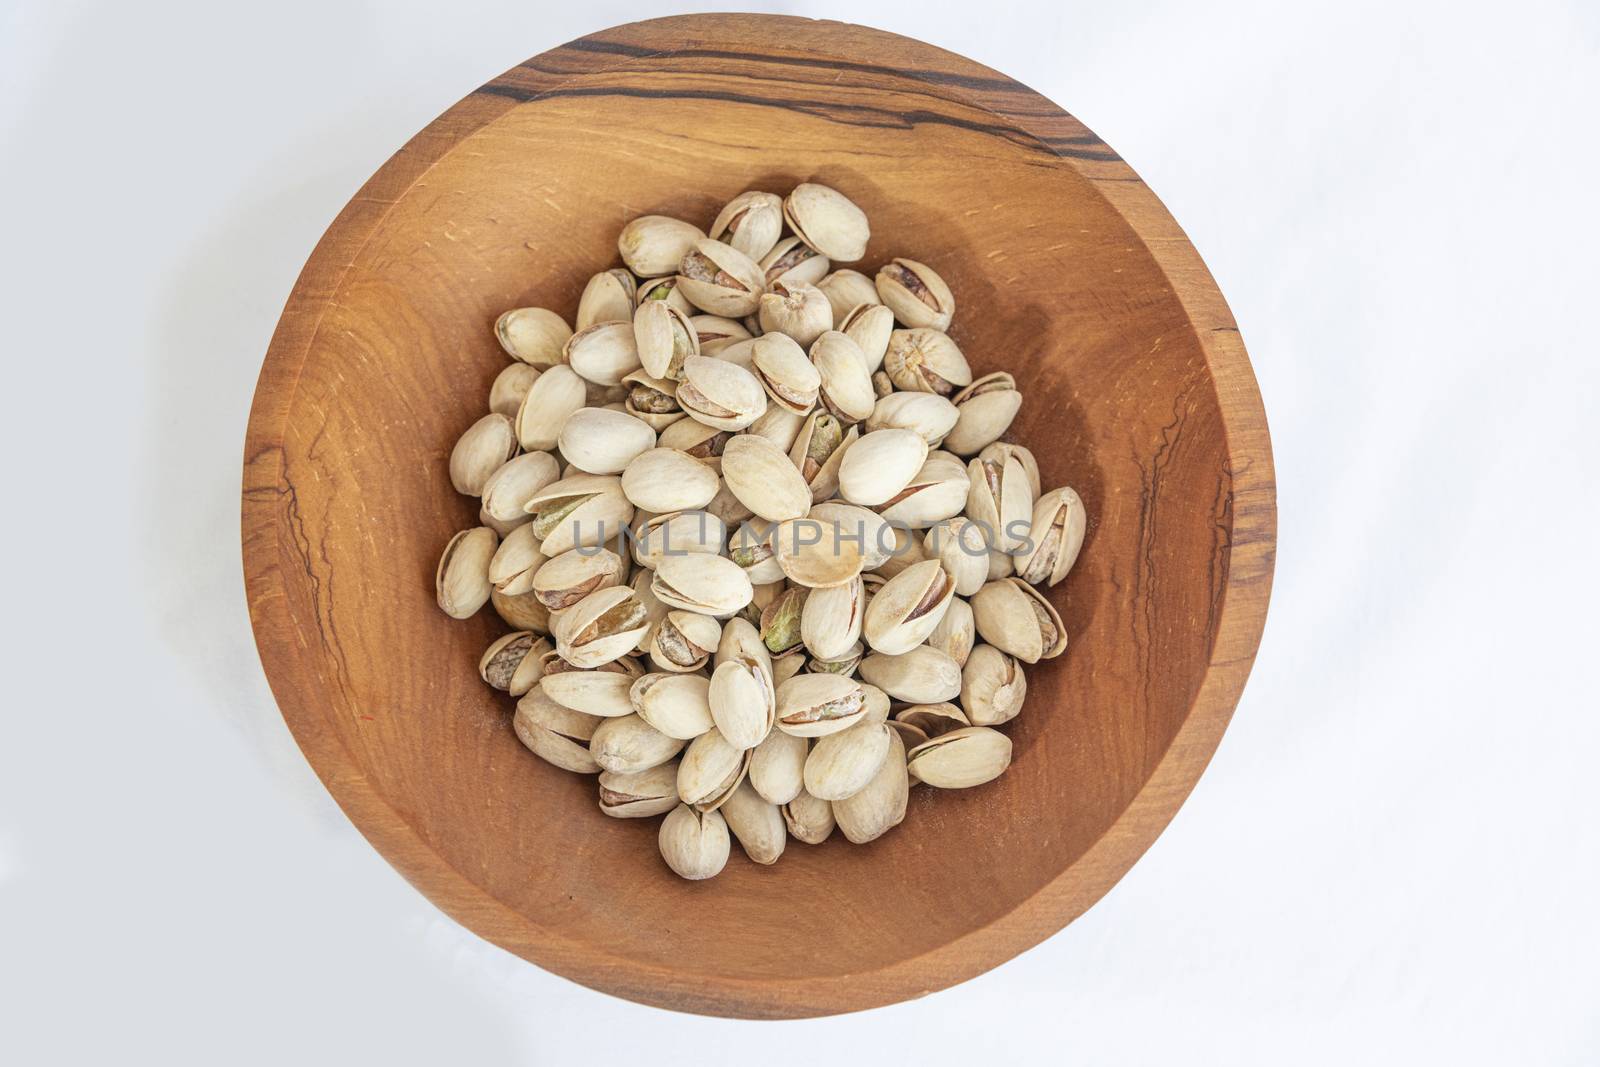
(1051, 284)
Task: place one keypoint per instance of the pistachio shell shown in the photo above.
(810, 820)
(926, 361)
(521, 610)
(784, 370)
(740, 638)
(720, 280)
(906, 551)
(742, 701)
(841, 764)
(608, 297)
(664, 290)
(710, 585)
(710, 770)
(780, 622)
(924, 675)
(566, 579)
(792, 262)
(779, 425)
(654, 245)
(870, 326)
(510, 488)
(461, 583)
(556, 734)
(815, 705)
(653, 401)
(874, 535)
(601, 693)
(1001, 451)
(932, 720)
(694, 844)
(751, 222)
(639, 794)
(664, 480)
(846, 384)
(720, 394)
(916, 294)
(549, 404)
(818, 450)
(827, 220)
(678, 705)
(716, 332)
(817, 553)
(535, 336)
(962, 547)
(1055, 537)
(993, 686)
(777, 766)
(627, 744)
(799, 311)
(961, 758)
(880, 805)
(904, 612)
(482, 450)
(684, 641)
(663, 338)
(515, 562)
(587, 510)
(602, 441)
(930, 415)
(750, 547)
(1000, 500)
(762, 478)
(511, 663)
(1013, 617)
(987, 408)
(604, 353)
(757, 824)
(847, 290)
(880, 465)
(845, 663)
(509, 388)
(956, 632)
(830, 622)
(677, 533)
(601, 627)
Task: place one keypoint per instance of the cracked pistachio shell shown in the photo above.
(809, 819)
(556, 734)
(653, 401)
(508, 490)
(800, 312)
(602, 441)
(663, 338)
(923, 675)
(857, 524)
(701, 582)
(844, 664)
(780, 621)
(870, 326)
(817, 553)
(880, 465)
(601, 627)
(717, 332)
(993, 686)
(1013, 617)
(511, 664)
(815, 705)
(1056, 536)
(510, 386)
(750, 222)
(792, 262)
(742, 701)
(987, 407)
(676, 533)
(608, 297)
(678, 705)
(565, 579)
(534, 336)
(604, 353)
(521, 610)
(777, 767)
(1000, 500)
(932, 720)
(818, 449)
(549, 404)
(961, 758)
(787, 374)
(664, 480)
(956, 632)
(664, 290)
(929, 415)
(830, 622)
(847, 290)
(827, 220)
(710, 770)
(482, 450)
(779, 425)
(846, 384)
(601, 693)
(684, 641)
(461, 583)
(926, 361)
(750, 547)
(515, 562)
(720, 394)
(916, 294)
(761, 477)
(694, 844)
(628, 744)
(581, 510)
(962, 546)
(1001, 451)
(639, 794)
(720, 280)
(880, 805)
(757, 824)
(904, 612)
(654, 245)
(841, 764)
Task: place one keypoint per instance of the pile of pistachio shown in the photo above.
(767, 562)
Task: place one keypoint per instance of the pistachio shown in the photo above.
(986, 408)
(777, 767)
(602, 441)
(1001, 565)
(599, 628)
(1056, 535)
(916, 294)
(780, 622)
(761, 477)
(904, 612)
(720, 280)
(1000, 500)
(819, 449)
(511, 663)
(845, 664)
(684, 641)
(510, 386)
(742, 701)
(786, 372)
(549, 404)
(704, 443)
(956, 632)
(906, 551)
(847, 290)
(751, 548)
(779, 425)
(664, 290)
(879, 466)
(791, 262)
(881, 384)
(922, 675)
(816, 552)
(515, 562)
(710, 585)
(929, 415)
(482, 450)
(1013, 617)
(710, 770)
(582, 510)
(608, 297)
(654, 245)
(757, 824)
(846, 386)
(461, 583)
(665, 480)
(600, 692)
(810, 820)
(841, 764)
(694, 844)
(880, 805)
(720, 394)
(627, 744)
(927, 361)
(508, 490)
(716, 332)
(858, 527)
(830, 621)
(932, 720)
(677, 533)
(653, 401)
(604, 353)
(815, 705)
(993, 686)
(827, 220)
(663, 339)
(521, 610)
(639, 794)
(1001, 451)
(961, 758)
(870, 326)
(678, 705)
(556, 734)
(800, 312)
(566, 579)
(751, 222)
(962, 547)
(729, 508)
(534, 336)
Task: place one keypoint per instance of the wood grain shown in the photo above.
(1069, 273)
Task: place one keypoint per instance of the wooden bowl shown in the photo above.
(1068, 273)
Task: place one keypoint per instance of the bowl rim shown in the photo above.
(267, 507)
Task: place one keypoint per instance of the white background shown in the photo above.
(1393, 857)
